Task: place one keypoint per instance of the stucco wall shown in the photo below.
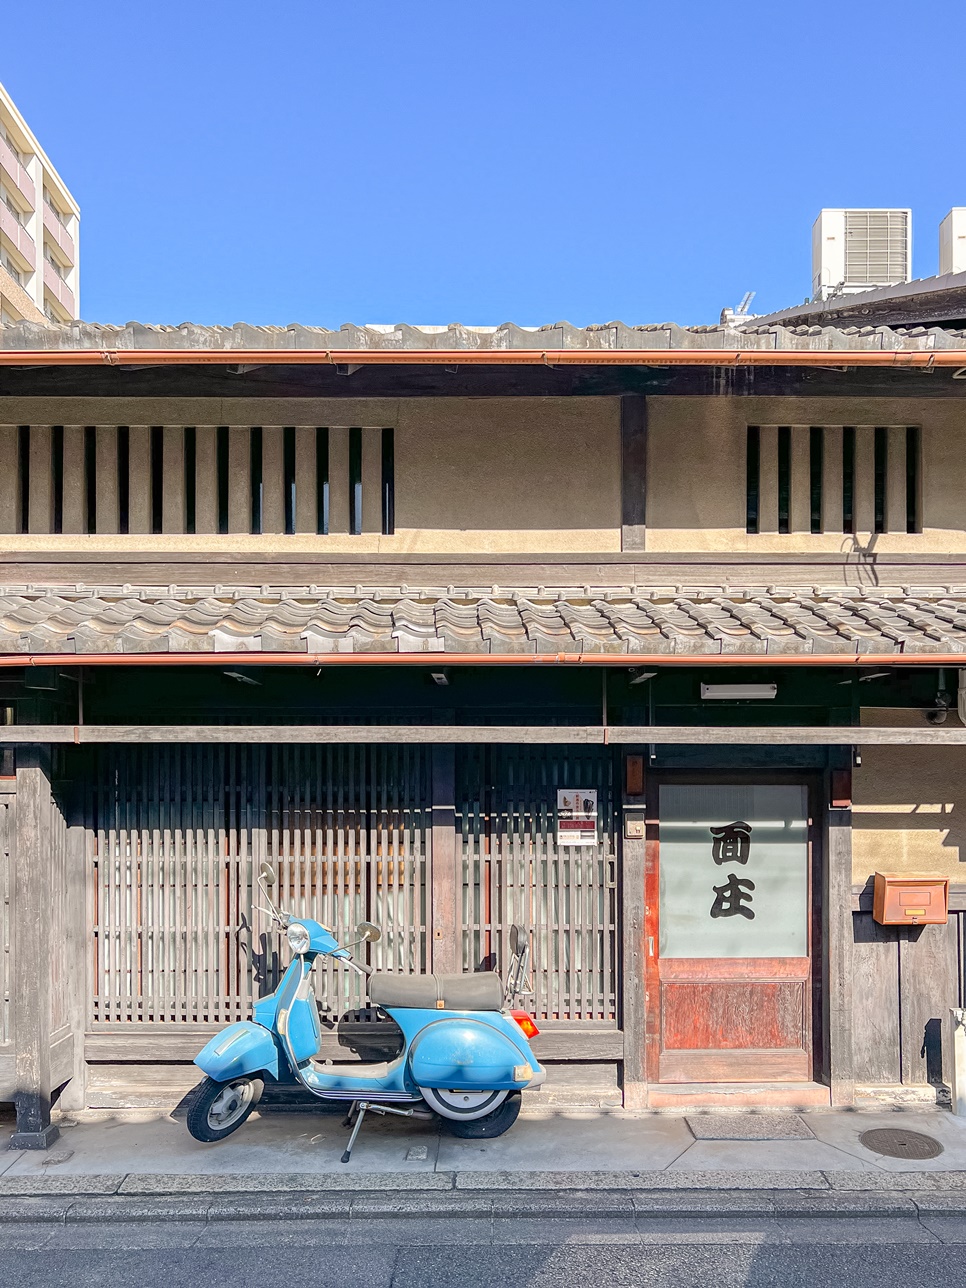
(909, 805)
(696, 466)
(520, 475)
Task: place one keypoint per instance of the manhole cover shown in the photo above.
(893, 1142)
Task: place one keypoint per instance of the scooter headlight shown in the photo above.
(298, 937)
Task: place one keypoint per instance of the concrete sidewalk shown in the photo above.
(149, 1152)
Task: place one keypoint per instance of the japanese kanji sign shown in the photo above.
(734, 870)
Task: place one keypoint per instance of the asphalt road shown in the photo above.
(806, 1252)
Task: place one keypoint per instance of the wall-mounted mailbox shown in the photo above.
(917, 900)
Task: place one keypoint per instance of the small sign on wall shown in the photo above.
(577, 816)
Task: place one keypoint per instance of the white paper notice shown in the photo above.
(577, 816)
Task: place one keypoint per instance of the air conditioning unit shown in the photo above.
(952, 241)
(858, 250)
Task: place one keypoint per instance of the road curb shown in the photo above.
(344, 1205)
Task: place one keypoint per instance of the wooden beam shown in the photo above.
(633, 472)
(586, 735)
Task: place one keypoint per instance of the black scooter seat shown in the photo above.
(482, 991)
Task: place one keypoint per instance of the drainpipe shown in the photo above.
(961, 696)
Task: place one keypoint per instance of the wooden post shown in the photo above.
(631, 978)
(446, 879)
(77, 942)
(837, 926)
(633, 472)
(32, 949)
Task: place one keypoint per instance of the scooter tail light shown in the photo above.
(526, 1023)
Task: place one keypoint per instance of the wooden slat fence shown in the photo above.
(514, 872)
(7, 819)
(176, 835)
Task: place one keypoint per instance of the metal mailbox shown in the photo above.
(899, 899)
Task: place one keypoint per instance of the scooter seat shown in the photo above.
(482, 991)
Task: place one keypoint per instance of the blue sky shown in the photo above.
(438, 161)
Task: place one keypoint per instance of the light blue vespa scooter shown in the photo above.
(465, 1052)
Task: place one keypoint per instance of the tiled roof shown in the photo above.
(80, 336)
(676, 620)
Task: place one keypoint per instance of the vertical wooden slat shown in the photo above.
(633, 431)
(273, 480)
(239, 479)
(139, 495)
(206, 479)
(800, 513)
(896, 479)
(305, 498)
(41, 497)
(371, 480)
(768, 504)
(338, 480)
(9, 481)
(73, 521)
(106, 457)
(864, 480)
(832, 479)
(173, 490)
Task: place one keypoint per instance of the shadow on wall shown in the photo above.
(909, 808)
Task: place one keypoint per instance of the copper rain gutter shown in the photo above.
(828, 358)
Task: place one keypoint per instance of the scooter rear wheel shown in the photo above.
(219, 1108)
(493, 1124)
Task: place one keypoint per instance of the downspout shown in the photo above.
(961, 696)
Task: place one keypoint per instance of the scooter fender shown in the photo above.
(466, 1053)
(243, 1048)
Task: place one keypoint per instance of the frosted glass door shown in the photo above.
(734, 871)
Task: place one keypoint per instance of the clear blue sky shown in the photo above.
(504, 160)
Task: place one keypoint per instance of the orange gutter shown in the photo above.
(437, 660)
(829, 358)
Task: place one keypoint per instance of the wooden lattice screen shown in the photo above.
(515, 872)
(176, 834)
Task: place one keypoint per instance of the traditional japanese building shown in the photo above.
(646, 639)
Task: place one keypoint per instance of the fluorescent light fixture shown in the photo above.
(242, 679)
(439, 677)
(644, 675)
(737, 692)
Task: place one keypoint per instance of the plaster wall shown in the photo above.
(533, 475)
(696, 473)
(909, 805)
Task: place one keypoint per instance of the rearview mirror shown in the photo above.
(369, 931)
(267, 874)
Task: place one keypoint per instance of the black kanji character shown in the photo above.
(731, 897)
(732, 844)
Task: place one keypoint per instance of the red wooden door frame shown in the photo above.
(728, 1064)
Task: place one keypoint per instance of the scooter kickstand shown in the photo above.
(360, 1106)
(347, 1121)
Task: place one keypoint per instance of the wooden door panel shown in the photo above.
(734, 1066)
(726, 1016)
(731, 1016)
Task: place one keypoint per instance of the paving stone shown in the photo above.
(133, 1207)
(748, 1127)
(283, 1182)
(843, 1203)
(882, 1180)
(34, 1209)
(31, 1184)
(278, 1207)
(439, 1203)
(720, 1202)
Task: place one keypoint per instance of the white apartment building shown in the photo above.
(39, 228)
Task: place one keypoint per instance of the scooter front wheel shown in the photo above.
(219, 1108)
(475, 1125)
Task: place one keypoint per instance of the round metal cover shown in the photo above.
(893, 1142)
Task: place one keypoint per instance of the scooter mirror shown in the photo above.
(369, 931)
(267, 874)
